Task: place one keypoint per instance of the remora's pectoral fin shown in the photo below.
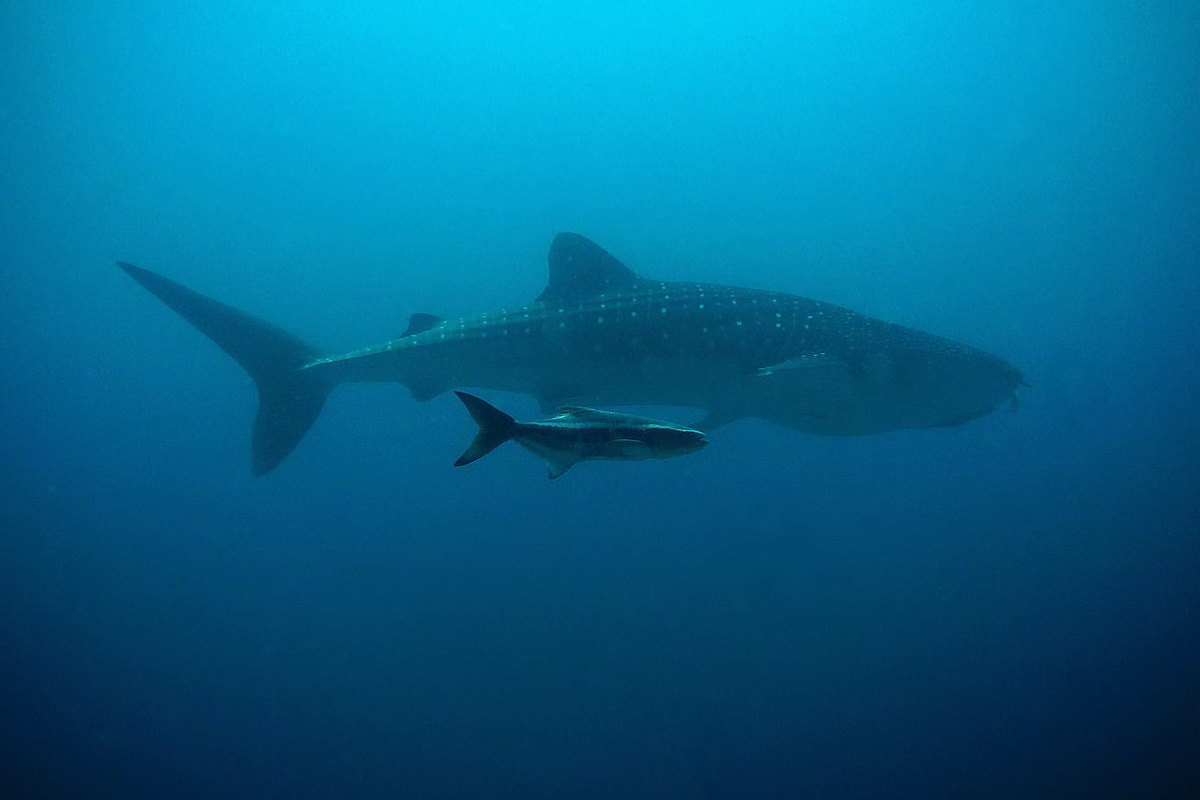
(557, 467)
(625, 450)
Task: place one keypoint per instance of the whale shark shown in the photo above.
(600, 334)
(577, 434)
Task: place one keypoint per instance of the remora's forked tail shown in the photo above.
(289, 398)
(495, 428)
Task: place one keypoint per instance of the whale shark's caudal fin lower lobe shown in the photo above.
(289, 397)
(495, 428)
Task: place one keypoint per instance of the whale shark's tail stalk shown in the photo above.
(289, 397)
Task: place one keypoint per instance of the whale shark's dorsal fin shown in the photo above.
(580, 268)
(421, 322)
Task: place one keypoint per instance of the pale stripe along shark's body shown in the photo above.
(602, 335)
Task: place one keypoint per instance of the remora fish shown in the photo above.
(601, 335)
(578, 434)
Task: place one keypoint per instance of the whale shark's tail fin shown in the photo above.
(289, 397)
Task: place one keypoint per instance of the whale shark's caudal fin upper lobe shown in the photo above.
(289, 397)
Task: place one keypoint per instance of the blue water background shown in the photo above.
(1009, 608)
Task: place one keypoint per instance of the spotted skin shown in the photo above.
(601, 335)
(735, 352)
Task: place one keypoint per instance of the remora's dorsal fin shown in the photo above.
(419, 323)
(583, 414)
(581, 268)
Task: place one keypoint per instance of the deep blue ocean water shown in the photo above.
(1006, 609)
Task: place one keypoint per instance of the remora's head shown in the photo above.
(667, 441)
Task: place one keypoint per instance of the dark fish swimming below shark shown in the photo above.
(602, 335)
(578, 434)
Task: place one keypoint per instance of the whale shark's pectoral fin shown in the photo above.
(423, 390)
(716, 417)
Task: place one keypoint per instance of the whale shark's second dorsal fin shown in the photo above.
(580, 268)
